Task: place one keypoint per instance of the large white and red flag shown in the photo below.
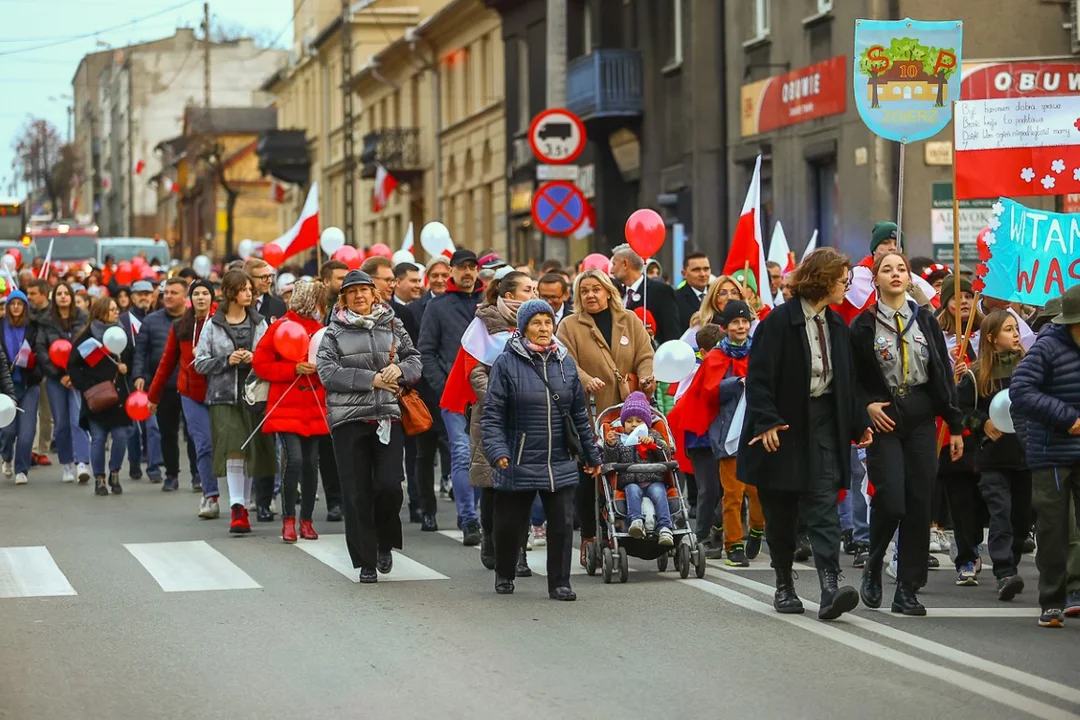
(385, 183)
(304, 235)
(477, 346)
(747, 249)
(779, 250)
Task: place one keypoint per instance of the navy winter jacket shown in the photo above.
(521, 421)
(444, 321)
(1045, 389)
(150, 344)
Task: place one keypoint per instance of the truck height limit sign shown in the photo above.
(557, 136)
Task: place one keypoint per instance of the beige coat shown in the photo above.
(633, 353)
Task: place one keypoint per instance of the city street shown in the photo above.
(130, 607)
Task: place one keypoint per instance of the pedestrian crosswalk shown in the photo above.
(190, 566)
(31, 572)
(331, 551)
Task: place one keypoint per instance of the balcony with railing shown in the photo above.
(396, 149)
(605, 83)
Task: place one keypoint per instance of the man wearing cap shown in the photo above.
(162, 428)
(1045, 390)
(445, 320)
(142, 298)
(656, 295)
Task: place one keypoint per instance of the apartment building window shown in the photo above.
(487, 230)
(468, 87)
(677, 29)
(470, 220)
(486, 95)
(448, 94)
(414, 101)
(587, 27)
(395, 112)
(761, 18)
(826, 216)
(524, 116)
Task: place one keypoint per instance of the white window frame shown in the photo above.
(761, 18)
(824, 6)
(677, 55)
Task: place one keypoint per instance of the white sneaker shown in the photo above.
(209, 509)
(667, 539)
(637, 529)
(529, 540)
(69, 473)
(935, 543)
(8, 470)
(539, 536)
(943, 541)
(20, 479)
(890, 569)
(84, 473)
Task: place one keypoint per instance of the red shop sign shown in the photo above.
(815, 91)
(995, 80)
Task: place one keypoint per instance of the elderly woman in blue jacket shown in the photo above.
(535, 405)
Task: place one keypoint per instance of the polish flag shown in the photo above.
(136, 324)
(384, 185)
(810, 246)
(304, 235)
(277, 191)
(477, 346)
(409, 242)
(25, 358)
(92, 351)
(747, 249)
(169, 186)
(779, 251)
(106, 181)
(140, 165)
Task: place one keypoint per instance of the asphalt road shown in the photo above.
(131, 608)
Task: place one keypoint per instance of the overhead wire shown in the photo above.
(83, 36)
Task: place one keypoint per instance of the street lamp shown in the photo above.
(70, 102)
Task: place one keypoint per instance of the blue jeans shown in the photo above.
(854, 509)
(657, 492)
(537, 511)
(72, 442)
(197, 419)
(466, 498)
(22, 427)
(98, 435)
(151, 431)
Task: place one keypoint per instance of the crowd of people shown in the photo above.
(838, 408)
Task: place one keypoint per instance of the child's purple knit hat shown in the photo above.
(637, 405)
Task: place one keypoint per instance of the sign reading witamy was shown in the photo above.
(1030, 256)
(1017, 147)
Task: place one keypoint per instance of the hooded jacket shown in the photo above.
(349, 358)
(83, 377)
(48, 332)
(28, 376)
(179, 357)
(298, 401)
(216, 344)
(444, 321)
(1045, 390)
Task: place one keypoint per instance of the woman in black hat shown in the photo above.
(363, 359)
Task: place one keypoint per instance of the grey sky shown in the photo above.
(30, 76)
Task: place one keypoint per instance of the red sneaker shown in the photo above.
(43, 461)
(307, 532)
(288, 529)
(240, 524)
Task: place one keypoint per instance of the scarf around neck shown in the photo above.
(367, 322)
(508, 309)
(539, 349)
(737, 352)
(1005, 364)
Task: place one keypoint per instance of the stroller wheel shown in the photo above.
(608, 564)
(682, 560)
(662, 562)
(624, 565)
(699, 561)
(590, 558)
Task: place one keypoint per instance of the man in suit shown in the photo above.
(270, 306)
(409, 288)
(696, 272)
(629, 269)
(555, 291)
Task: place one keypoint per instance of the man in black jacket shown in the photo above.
(162, 428)
(656, 295)
(270, 306)
(435, 440)
(696, 271)
(445, 320)
(142, 440)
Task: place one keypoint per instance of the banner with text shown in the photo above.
(1018, 147)
(1029, 256)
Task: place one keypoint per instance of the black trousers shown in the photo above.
(328, 470)
(1007, 494)
(709, 490)
(585, 500)
(427, 447)
(410, 474)
(816, 506)
(512, 513)
(169, 413)
(902, 465)
(965, 505)
(487, 516)
(371, 488)
(301, 469)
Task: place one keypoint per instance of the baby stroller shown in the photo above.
(613, 543)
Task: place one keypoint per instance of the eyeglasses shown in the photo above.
(727, 293)
(850, 278)
(268, 276)
(392, 282)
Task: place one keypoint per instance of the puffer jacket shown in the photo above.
(180, 357)
(522, 423)
(1045, 390)
(618, 453)
(444, 322)
(212, 353)
(349, 358)
(1005, 453)
(49, 331)
(150, 344)
(479, 468)
(299, 401)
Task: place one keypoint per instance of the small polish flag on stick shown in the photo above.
(408, 242)
(136, 324)
(25, 359)
(92, 351)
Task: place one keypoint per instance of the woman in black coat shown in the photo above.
(92, 364)
(802, 414)
(905, 381)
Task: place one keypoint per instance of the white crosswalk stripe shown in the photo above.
(332, 551)
(190, 566)
(31, 572)
(537, 556)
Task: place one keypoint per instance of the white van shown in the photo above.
(123, 249)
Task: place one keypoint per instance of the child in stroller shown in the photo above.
(638, 443)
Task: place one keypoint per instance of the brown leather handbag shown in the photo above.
(102, 397)
(415, 416)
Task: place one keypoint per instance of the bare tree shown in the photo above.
(37, 150)
(222, 30)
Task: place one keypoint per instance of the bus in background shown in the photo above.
(13, 219)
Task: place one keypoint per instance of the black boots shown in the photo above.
(871, 587)
(904, 601)
(100, 488)
(114, 483)
(786, 601)
(563, 594)
(522, 569)
(368, 576)
(487, 551)
(263, 513)
(384, 561)
(504, 586)
(428, 524)
(835, 600)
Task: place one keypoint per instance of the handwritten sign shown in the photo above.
(1029, 256)
(1018, 147)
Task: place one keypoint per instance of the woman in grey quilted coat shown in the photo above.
(364, 359)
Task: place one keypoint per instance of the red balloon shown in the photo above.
(59, 352)
(380, 250)
(138, 261)
(645, 232)
(595, 261)
(273, 254)
(348, 255)
(291, 341)
(14, 252)
(124, 274)
(138, 406)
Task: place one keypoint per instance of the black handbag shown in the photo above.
(570, 431)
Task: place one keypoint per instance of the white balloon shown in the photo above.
(201, 266)
(7, 411)
(674, 360)
(313, 346)
(245, 248)
(331, 240)
(115, 340)
(434, 238)
(8, 263)
(403, 256)
(284, 280)
(1000, 413)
